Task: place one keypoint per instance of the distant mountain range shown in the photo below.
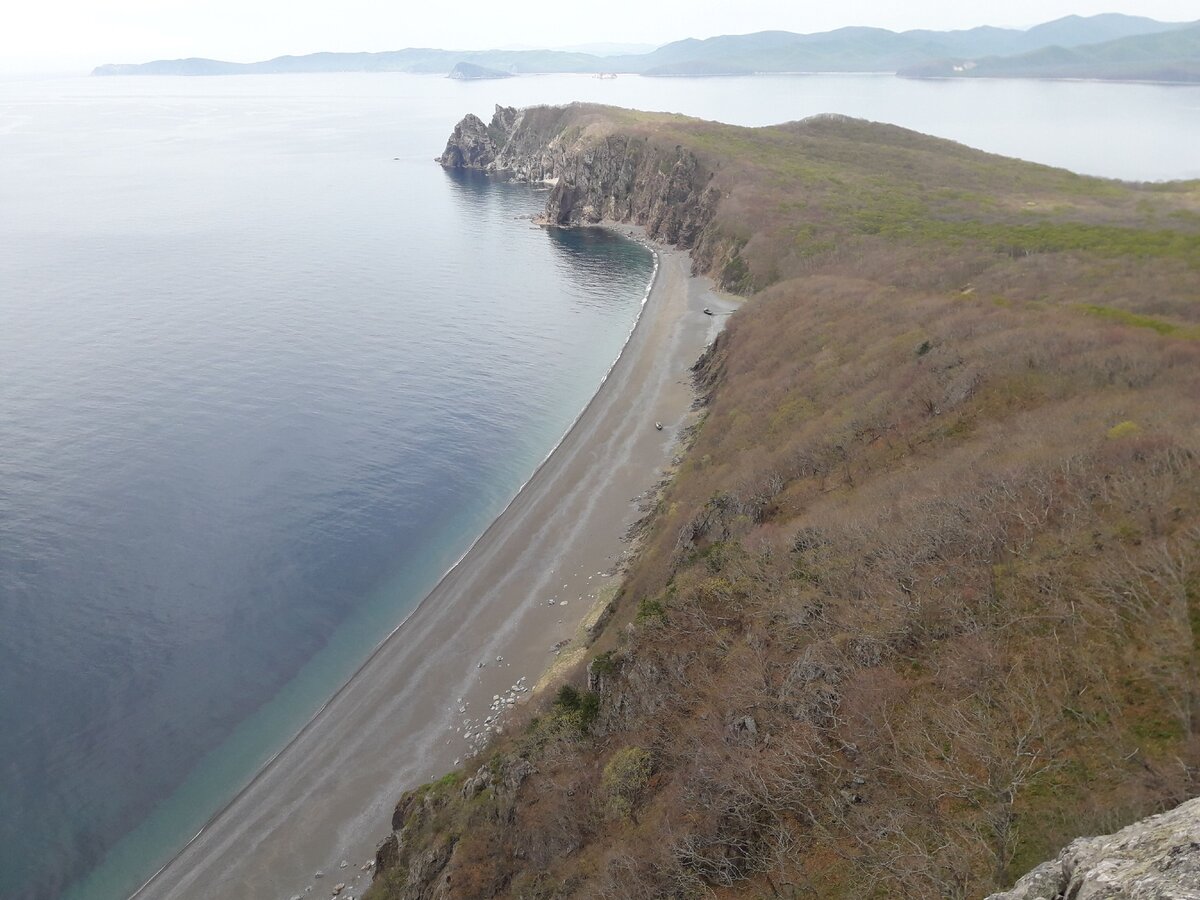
(1103, 46)
(1164, 56)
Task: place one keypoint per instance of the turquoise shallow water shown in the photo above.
(266, 372)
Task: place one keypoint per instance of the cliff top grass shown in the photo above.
(801, 188)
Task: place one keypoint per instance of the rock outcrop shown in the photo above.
(470, 146)
(414, 857)
(599, 172)
(1155, 859)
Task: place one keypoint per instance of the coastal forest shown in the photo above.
(920, 602)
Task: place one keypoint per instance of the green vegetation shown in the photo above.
(650, 610)
(1125, 317)
(1049, 237)
(921, 603)
(579, 708)
(623, 780)
(603, 664)
(1124, 429)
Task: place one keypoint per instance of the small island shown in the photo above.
(465, 71)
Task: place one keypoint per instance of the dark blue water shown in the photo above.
(266, 372)
(260, 385)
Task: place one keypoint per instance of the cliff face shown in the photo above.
(597, 175)
(470, 146)
(1158, 857)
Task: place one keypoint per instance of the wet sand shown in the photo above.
(329, 795)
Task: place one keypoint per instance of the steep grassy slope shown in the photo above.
(923, 600)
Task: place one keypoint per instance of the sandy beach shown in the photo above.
(490, 625)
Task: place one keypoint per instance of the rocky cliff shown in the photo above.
(1155, 859)
(598, 174)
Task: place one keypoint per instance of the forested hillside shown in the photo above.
(922, 601)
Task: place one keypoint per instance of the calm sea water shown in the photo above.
(266, 372)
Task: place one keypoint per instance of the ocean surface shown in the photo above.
(266, 372)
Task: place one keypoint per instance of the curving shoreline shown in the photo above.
(144, 889)
(327, 795)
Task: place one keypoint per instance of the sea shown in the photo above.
(267, 371)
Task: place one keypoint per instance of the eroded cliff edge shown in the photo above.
(598, 173)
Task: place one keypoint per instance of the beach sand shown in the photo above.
(328, 796)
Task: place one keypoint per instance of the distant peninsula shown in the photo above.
(1109, 46)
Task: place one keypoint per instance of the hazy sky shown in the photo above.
(62, 35)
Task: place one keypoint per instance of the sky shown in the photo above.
(75, 35)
